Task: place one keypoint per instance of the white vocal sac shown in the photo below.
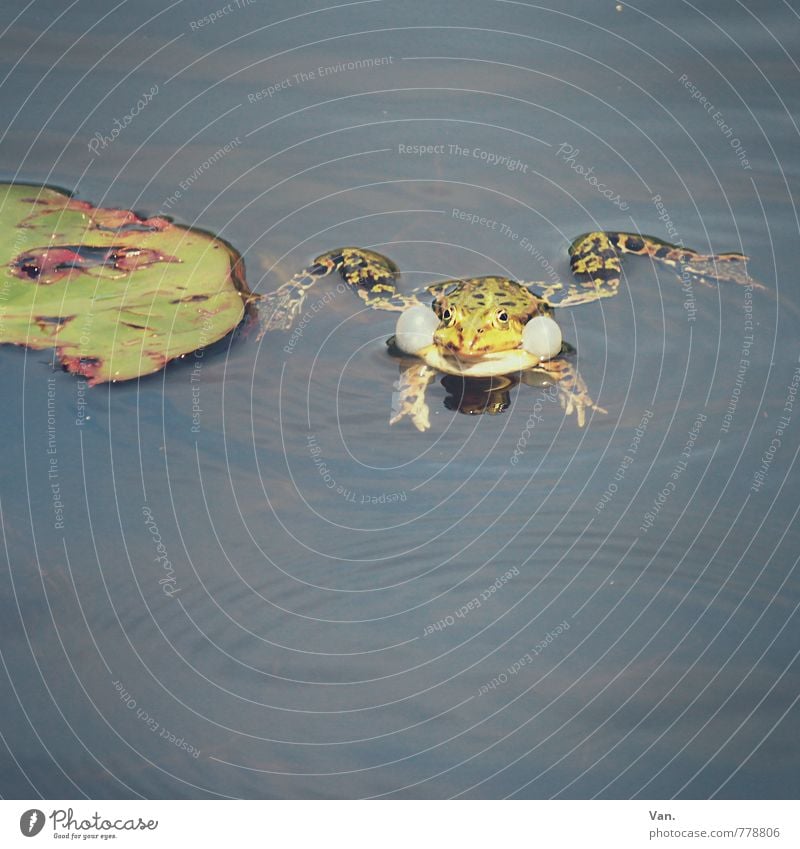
(415, 329)
(542, 337)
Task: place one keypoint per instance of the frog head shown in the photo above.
(482, 316)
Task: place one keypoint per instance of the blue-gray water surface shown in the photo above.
(505, 605)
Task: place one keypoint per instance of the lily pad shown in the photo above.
(115, 295)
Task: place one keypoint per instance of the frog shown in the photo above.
(480, 321)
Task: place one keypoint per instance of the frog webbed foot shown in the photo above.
(725, 268)
(279, 309)
(573, 393)
(409, 398)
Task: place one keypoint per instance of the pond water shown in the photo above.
(504, 605)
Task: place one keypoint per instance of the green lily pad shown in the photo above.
(115, 295)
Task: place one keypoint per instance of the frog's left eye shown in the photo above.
(502, 316)
(446, 315)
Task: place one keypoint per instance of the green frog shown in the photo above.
(478, 327)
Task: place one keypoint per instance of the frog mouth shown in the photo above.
(476, 357)
(490, 364)
(463, 355)
(469, 357)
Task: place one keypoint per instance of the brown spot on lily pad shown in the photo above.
(51, 264)
(189, 299)
(123, 220)
(53, 323)
(88, 367)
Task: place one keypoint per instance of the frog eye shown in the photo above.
(446, 314)
(502, 315)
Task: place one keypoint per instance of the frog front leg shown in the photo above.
(573, 393)
(408, 400)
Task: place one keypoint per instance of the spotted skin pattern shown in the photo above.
(486, 315)
(596, 264)
(469, 312)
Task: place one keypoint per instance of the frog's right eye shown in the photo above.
(446, 315)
